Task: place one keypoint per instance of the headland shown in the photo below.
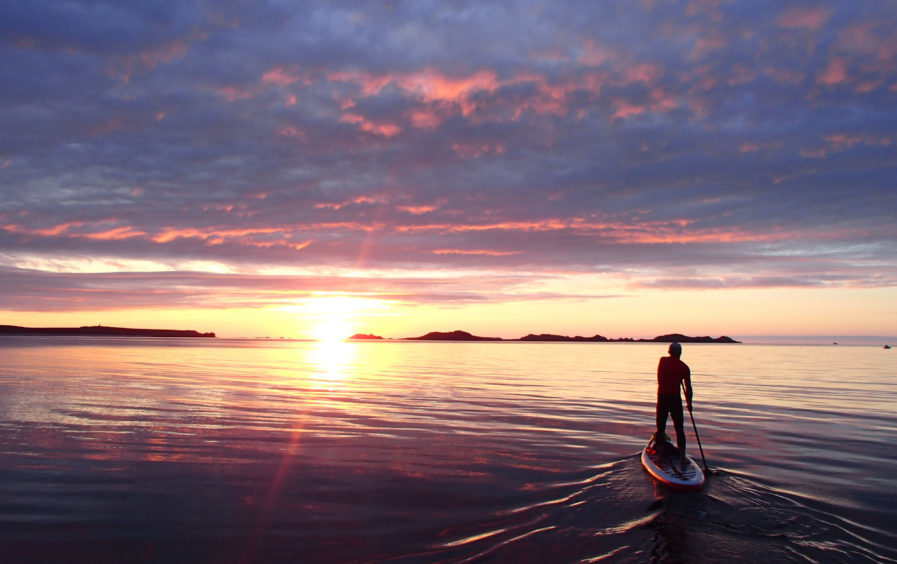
(100, 330)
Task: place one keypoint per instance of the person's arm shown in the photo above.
(688, 390)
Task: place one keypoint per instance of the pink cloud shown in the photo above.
(106, 127)
(869, 86)
(834, 73)
(418, 210)
(643, 72)
(442, 92)
(550, 99)
(477, 150)
(625, 109)
(370, 84)
(384, 129)
(811, 18)
(661, 101)
(290, 131)
(155, 56)
(280, 77)
(233, 94)
(869, 39)
(426, 119)
(707, 44)
(836, 142)
(593, 55)
(841, 141)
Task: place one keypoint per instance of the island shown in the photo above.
(451, 336)
(459, 335)
(547, 337)
(365, 337)
(100, 330)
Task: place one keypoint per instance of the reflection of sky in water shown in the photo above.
(312, 440)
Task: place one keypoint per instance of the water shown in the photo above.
(147, 450)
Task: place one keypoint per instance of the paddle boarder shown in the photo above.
(671, 374)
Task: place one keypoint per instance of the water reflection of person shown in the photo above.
(671, 373)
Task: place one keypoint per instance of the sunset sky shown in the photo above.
(628, 168)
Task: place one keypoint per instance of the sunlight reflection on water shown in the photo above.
(431, 451)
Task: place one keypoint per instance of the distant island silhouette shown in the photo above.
(100, 330)
(545, 337)
(457, 335)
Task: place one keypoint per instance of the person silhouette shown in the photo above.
(671, 374)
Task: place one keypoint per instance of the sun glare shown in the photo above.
(332, 330)
(333, 318)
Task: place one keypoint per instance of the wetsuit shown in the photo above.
(671, 372)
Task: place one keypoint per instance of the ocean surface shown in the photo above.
(155, 450)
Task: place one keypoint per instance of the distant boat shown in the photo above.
(887, 346)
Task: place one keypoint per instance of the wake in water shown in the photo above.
(616, 513)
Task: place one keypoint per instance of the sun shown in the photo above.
(332, 330)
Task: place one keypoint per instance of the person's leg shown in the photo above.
(679, 424)
(661, 412)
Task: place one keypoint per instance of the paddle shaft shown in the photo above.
(697, 436)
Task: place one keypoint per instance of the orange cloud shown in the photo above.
(354, 201)
(47, 232)
(418, 210)
(214, 236)
(69, 230)
(477, 252)
(117, 234)
(436, 87)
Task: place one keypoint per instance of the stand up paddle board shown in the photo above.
(661, 460)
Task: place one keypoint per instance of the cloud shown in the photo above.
(615, 137)
(804, 17)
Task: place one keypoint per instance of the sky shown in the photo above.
(624, 168)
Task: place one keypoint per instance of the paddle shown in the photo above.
(695, 427)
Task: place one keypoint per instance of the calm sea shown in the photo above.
(148, 450)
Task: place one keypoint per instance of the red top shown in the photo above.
(670, 373)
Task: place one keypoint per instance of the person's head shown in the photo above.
(675, 350)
